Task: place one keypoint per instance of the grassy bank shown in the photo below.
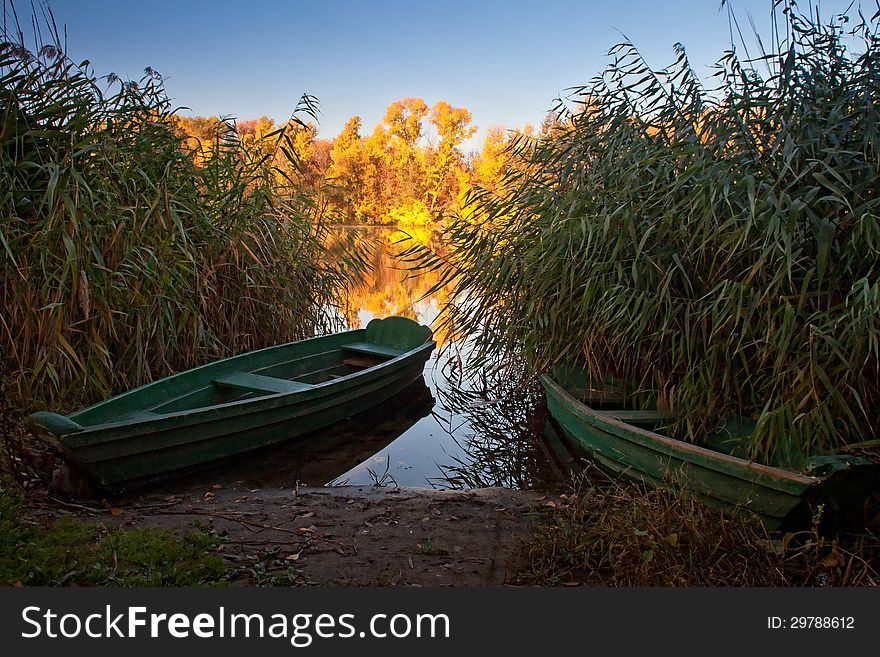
(70, 552)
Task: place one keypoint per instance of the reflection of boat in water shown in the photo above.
(319, 457)
(486, 428)
(362, 436)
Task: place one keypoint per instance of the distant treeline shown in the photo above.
(411, 169)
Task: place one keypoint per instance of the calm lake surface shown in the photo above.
(459, 428)
(456, 428)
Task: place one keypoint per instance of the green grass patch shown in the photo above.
(70, 552)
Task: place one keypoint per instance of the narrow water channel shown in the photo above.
(456, 428)
(475, 430)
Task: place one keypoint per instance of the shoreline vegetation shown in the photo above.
(720, 246)
(129, 253)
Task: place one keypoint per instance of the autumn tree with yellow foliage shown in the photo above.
(399, 173)
(409, 170)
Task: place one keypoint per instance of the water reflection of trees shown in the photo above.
(389, 288)
(493, 417)
(496, 417)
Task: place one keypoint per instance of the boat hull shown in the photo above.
(777, 497)
(146, 445)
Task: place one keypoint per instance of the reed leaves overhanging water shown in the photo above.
(124, 253)
(719, 245)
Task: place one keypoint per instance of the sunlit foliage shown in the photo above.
(381, 176)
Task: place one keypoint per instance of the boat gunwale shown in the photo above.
(72, 440)
(118, 483)
(680, 449)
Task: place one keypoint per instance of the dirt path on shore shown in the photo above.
(351, 535)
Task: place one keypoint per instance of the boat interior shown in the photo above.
(290, 369)
(290, 376)
(614, 399)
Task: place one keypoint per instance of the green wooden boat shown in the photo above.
(238, 404)
(623, 440)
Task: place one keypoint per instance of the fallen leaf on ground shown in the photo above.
(833, 559)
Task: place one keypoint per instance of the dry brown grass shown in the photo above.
(627, 535)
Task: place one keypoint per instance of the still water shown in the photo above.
(460, 428)
(456, 428)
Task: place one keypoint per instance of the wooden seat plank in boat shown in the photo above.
(371, 349)
(259, 383)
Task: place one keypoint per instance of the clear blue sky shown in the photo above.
(504, 61)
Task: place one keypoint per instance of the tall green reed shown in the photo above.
(121, 259)
(719, 245)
